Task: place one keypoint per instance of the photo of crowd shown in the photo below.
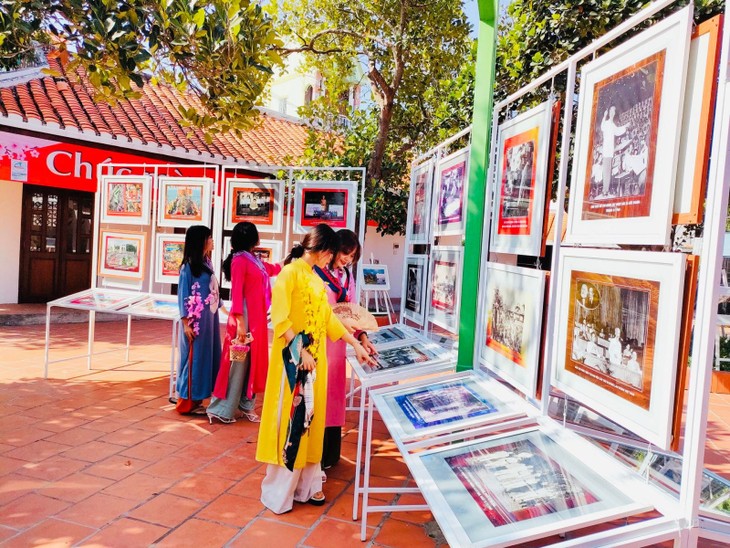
(518, 179)
(505, 325)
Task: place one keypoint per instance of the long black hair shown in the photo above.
(347, 243)
(245, 237)
(320, 238)
(195, 238)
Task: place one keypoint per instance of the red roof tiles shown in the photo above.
(153, 120)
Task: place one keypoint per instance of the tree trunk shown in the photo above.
(375, 165)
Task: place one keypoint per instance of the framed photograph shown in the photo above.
(619, 334)
(445, 287)
(419, 203)
(414, 288)
(375, 277)
(699, 103)
(392, 333)
(525, 485)
(627, 138)
(512, 305)
(406, 354)
(255, 201)
(125, 199)
(521, 182)
(164, 307)
(435, 407)
(122, 254)
(184, 201)
(168, 258)
(453, 179)
(330, 202)
(106, 300)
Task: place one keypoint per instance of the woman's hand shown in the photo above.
(367, 345)
(308, 363)
(188, 330)
(362, 355)
(243, 338)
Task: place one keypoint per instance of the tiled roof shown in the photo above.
(65, 104)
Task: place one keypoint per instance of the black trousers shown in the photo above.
(332, 445)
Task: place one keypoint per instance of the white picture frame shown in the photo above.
(122, 255)
(125, 199)
(415, 282)
(273, 248)
(407, 355)
(392, 333)
(184, 201)
(169, 250)
(98, 299)
(512, 307)
(618, 335)
(164, 307)
(451, 194)
(520, 185)
(258, 201)
(622, 191)
(375, 277)
(333, 203)
(419, 203)
(444, 288)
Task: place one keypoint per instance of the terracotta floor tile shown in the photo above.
(342, 510)
(333, 487)
(127, 436)
(23, 436)
(201, 487)
(94, 451)
(75, 436)
(230, 467)
(250, 486)
(166, 510)
(184, 436)
(126, 532)
(149, 450)
(389, 467)
(196, 532)
(117, 467)
(15, 485)
(30, 509)
(106, 424)
(6, 533)
(51, 533)
(303, 514)
(76, 487)
(332, 532)
(97, 510)
(36, 451)
(53, 468)
(61, 423)
(397, 533)
(8, 465)
(232, 510)
(262, 531)
(174, 467)
(418, 517)
(138, 487)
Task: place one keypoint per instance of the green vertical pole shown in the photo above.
(478, 166)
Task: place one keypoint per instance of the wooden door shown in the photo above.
(56, 243)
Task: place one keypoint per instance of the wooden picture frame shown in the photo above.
(256, 201)
(184, 201)
(122, 254)
(627, 138)
(125, 199)
(620, 314)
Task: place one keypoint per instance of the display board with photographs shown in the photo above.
(407, 354)
(619, 324)
(414, 288)
(512, 308)
(255, 201)
(392, 333)
(125, 199)
(445, 287)
(164, 307)
(269, 251)
(525, 485)
(330, 202)
(122, 254)
(627, 138)
(419, 204)
(434, 407)
(169, 255)
(184, 201)
(452, 182)
(521, 183)
(699, 102)
(98, 299)
(375, 277)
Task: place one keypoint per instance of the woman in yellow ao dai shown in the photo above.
(299, 304)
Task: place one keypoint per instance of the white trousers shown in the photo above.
(281, 487)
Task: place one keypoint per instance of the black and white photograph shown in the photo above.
(518, 180)
(506, 325)
(404, 355)
(413, 288)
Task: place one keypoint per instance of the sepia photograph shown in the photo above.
(506, 326)
(517, 185)
(445, 286)
(403, 355)
(253, 205)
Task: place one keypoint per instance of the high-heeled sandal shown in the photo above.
(224, 420)
(251, 416)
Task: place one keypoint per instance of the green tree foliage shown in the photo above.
(416, 59)
(222, 50)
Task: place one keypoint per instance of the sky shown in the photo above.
(472, 14)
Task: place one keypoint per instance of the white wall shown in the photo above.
(387, 250)
(11, 210)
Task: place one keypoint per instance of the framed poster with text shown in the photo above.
(121, 254)
(416, 273)
(452, 182)
(168, 258)
(419, 203)
(521, 180)
(125, 199)
(255, 201)
(620, 319)
(445, 287)
(627, 138)
(184, 201)
(330, 202)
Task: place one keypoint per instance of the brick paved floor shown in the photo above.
(100, 458)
